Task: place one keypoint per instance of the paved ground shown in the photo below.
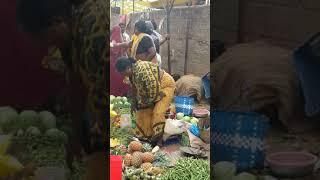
(279, 140)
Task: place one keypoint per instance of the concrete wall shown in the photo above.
(225, 23)
(283, 22)
(114, 19)
(286, 22)
(199, 39)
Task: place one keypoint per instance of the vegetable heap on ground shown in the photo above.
(189, 169)
(144, 162)
(192, 120)
(37, 135)
(119, 102)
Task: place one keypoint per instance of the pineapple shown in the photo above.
(146, 166)
(147, 157)
(135, 146)
(136, 160)
(127, 160)
(146, 147)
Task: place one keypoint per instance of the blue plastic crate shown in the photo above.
(184, 104)
(239, 138)
(307, 63)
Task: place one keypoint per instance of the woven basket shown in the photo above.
(239, 138)
(184, 105)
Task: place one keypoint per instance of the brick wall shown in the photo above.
(199, 40)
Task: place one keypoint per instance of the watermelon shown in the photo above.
(112, 97)
(48, 119)
(34, 131)
(30, 116)
(180, 116)
(7, 115)
(187, 118)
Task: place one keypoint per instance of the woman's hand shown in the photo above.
(114, 44)
(167, 37)
(133, 106)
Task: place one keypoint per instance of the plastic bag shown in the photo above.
(194, 129)
(195, 141)
(125, 121)
(174, 127)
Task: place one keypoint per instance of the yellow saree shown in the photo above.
(151, 120)
(136, 39)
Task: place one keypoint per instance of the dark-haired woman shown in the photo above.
(141, 46)
(157, 38)
(153, 89)
(80, 26)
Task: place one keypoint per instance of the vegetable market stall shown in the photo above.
(33, 146)
(183, 152)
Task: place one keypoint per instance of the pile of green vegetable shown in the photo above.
(123, 135)
(11, 122)
(43, 149)
(36, 134)
(77, 170)
(139, 174)
(161, 160)
(192, 120)
(189, 169)
(119, 102)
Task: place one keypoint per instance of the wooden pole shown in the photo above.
(189, 17)
(168, 32)
(168, 7)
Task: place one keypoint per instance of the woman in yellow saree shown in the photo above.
(141, 46)
(153, 91)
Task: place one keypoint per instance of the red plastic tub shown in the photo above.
(115, 167)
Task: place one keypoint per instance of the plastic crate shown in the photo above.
(184, 105)
(239, 138)
(115, 167)
(307, 63)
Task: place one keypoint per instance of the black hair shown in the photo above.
(149, 28)
(176, 77)
(141, 26)
(155, 26)
(217, 49)
(35, 16)
(123, 63)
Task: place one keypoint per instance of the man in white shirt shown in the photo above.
(123, 25)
